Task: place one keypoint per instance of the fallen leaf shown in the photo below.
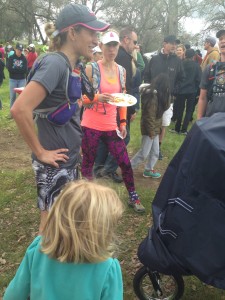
(21, 238)
(2, 261)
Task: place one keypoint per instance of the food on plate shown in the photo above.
(123, 99)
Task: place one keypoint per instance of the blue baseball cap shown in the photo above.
(78, 14)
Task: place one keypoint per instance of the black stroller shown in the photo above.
(188, 232)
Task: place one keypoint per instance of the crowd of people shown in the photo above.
(18, 61)
(77, 124)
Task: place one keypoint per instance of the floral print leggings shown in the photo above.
(116, 147)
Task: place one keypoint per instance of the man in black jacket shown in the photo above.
(187, 93)
(168, 63)
(128, 42)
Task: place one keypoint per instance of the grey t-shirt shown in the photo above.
(215, 87)
(52, 74)
(219, 76)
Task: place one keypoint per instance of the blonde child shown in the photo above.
(73, 257)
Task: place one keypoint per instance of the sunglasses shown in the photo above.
(135, 42)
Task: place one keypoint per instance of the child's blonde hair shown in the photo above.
(81, 223)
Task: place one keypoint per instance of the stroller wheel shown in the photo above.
(152, 285)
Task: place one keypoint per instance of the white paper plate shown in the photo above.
(123, 100)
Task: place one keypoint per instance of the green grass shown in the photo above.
(4, 96)
(19, 216)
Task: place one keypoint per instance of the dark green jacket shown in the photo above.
(150, 125)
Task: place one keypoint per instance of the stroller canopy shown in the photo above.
(188, 234)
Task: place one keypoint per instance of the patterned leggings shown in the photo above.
(50, 182)
(116, 147)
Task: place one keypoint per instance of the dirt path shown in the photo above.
(15, 153)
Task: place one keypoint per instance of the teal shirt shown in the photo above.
(43, 278)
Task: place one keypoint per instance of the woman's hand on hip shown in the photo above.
(52, 157)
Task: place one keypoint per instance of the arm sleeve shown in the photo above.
(19, 287)
(123, 115)
(113, 286)
(150, 120)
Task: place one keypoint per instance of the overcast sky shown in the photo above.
(193, 25)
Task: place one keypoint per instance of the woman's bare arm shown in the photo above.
(22, 112)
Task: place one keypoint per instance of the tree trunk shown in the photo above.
(30, 36)
(39, 31)
(173, 17)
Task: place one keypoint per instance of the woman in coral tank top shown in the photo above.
(100, 118)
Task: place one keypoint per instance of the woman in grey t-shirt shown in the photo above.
(56, 148)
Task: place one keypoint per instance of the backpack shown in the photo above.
(213, 74)
(96, 75)
(62, 113)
